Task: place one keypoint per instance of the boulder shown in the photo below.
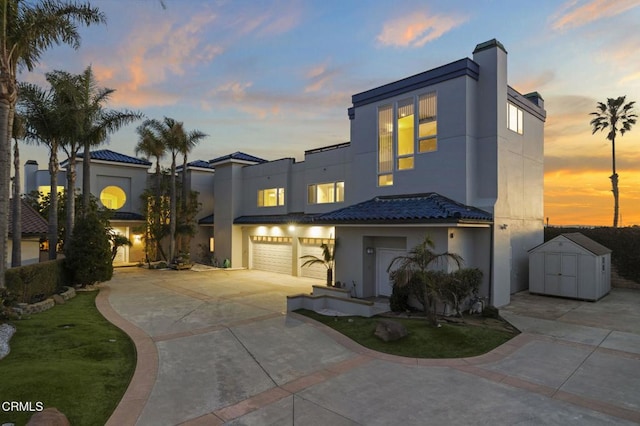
(389, 331)
(58, 299)
(49, 417)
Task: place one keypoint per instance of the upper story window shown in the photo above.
(113, 197)
(321, 193)
(515, 118)
(404, 128)
(271, 197)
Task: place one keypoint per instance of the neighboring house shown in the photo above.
(452, 152)
(117, 180)
(34, 230)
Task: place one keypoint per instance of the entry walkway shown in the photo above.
(216, 347)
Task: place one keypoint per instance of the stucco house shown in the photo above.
(117, 180)
(453, 152)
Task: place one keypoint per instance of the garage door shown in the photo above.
(271, 254)
(311, 247)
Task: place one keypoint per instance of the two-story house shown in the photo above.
(452, 152)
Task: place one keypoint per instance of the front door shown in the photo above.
(384, 285)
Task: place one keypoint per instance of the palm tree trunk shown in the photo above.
(16, 229)
(614, 184)
(53, 203)
(156, 210)
(71, 198)
(86, 179)
(173, 213)
(5, 168)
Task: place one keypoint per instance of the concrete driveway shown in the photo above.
(216, 347)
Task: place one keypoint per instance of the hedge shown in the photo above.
(624, 244)
(28, 282)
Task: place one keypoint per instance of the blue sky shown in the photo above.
(275, 78)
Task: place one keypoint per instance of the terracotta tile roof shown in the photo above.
(238, 156)
(32, 222)
(276, 219)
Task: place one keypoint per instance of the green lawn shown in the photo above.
(477, 337)
(68, 357)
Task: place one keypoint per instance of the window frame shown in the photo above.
(312, 192)
(279, 197)
(519, 118)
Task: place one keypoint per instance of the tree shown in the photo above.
(187, 144)
(615, 116)
(151, 146)
(18, 132)
(413, 269)
(172, 134)
(118, 240)
(327, 260)
(27, 30)
(95, 124)
(47, 116)
(88, 254)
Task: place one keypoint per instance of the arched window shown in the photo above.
(113, 197)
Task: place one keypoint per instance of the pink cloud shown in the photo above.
(578, 13)
(417, 29)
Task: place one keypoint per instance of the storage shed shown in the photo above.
(570, 265)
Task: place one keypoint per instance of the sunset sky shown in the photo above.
(275, 78)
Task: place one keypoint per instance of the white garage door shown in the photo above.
(272, 256)
(317, 270)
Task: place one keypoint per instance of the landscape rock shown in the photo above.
(6, 331)
(389, 331)
(49, 417)
(58, 299)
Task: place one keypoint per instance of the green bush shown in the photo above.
(461, 285)
(624, 244)
(88, 255)
(39, 280)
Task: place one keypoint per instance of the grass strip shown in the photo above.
(68, 357)
(423, 341)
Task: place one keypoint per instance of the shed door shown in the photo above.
(272, 256)
(561, 274)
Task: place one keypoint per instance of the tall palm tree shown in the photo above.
(149, 145)
(413, 269)
(189, 142)
(27, 29)
(614, 116)
(48, 121)
(171, 132)
(18, 132)
(90, 124)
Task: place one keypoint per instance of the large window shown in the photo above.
(271, 197)
(515, 118)
(113, 197)
(428, 124)
(404, 128)
(332, 192)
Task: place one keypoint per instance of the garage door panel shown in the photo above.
(317, 271)
(272, 257)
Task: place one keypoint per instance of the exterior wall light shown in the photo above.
(369, 250)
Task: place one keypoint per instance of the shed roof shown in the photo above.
(587, 243)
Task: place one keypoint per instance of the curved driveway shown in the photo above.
(217, 347)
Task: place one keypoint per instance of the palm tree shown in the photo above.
(327, 260)
(614, 116)
(413, 269)
(90, 124)
(151, 146)
(171, 132)
(47, 118)
(27, 29)
(188, 143)
(96, 124)
(18, 132)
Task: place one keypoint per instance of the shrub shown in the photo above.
(39, 280)
(459, 286)
(399, 300)
(88, 255)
